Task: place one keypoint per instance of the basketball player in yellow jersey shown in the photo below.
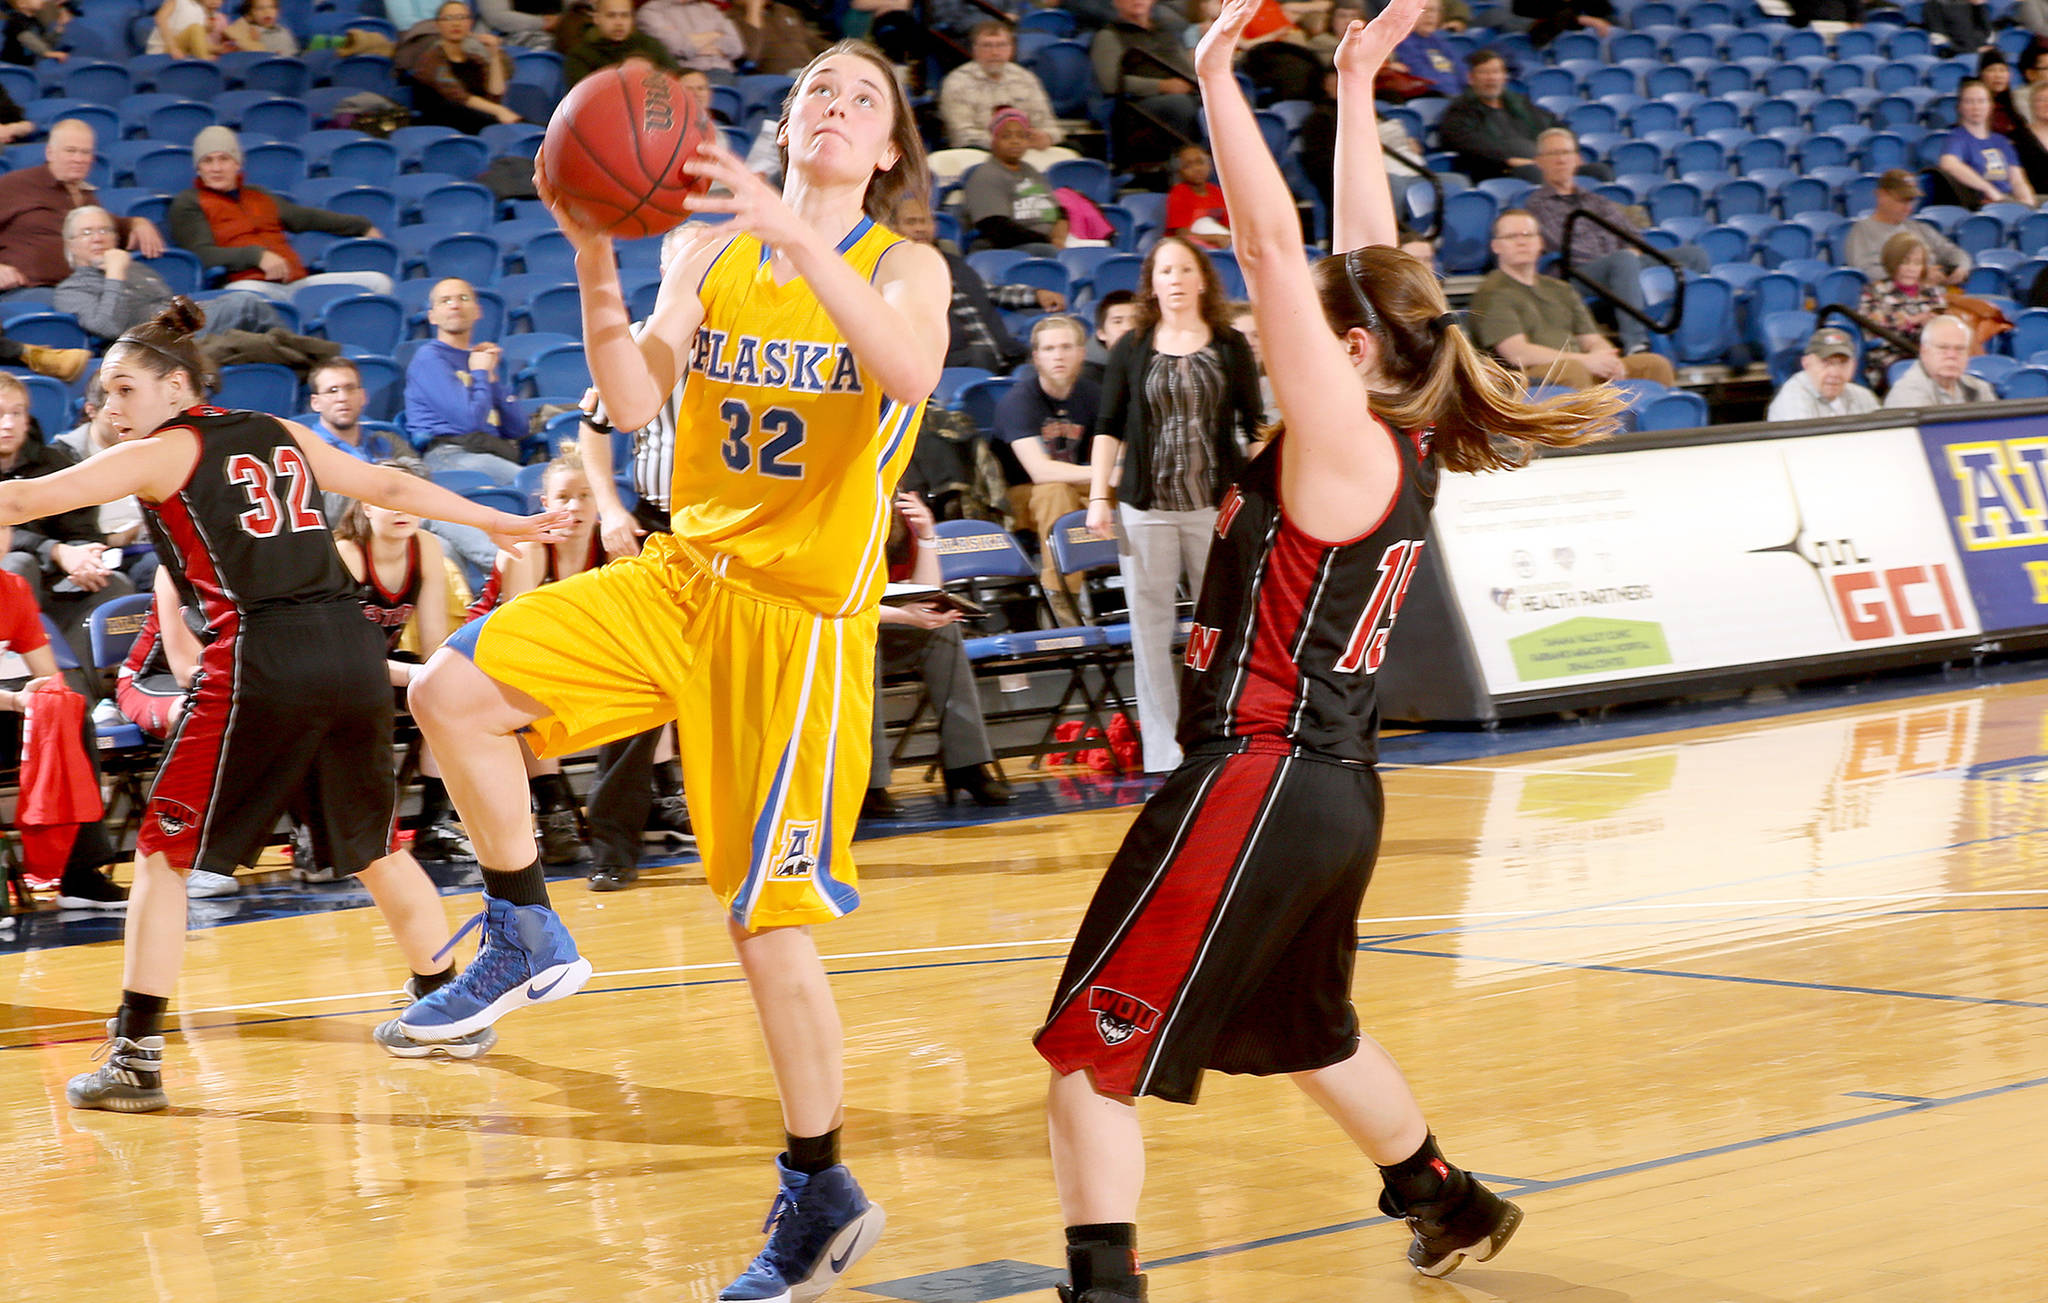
(806, 338)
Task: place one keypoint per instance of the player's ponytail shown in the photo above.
(1435, 375)
(164, 345)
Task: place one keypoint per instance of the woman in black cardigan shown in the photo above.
(1180, 403)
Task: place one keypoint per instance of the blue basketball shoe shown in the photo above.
(818, 1226)
(527, 957)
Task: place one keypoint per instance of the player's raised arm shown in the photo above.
(147, 468)
(896, 326)
(1363, 201)
(386, 486)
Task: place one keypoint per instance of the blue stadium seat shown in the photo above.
(375, 204)
(1465, 244)
(1706, 331)
(372, 72)
(954, 379)
(1122, 271)
(510, 138)
(462, 156)
(365, 159)
(1994, 367)
(49, 330)
(259, 386)
(1676, 199)
(167, 169)
(1068, 74)
(276, 119)
(1804, 195)
(1784, 340)
(557, 309)
(278, 166)
(361, 254)
(558, 370)
(2025, 382)
(548, 254)
(383, 388)
(460, 206)
(2029, 333)
(97, 81)
(371, 321)
(1677, 409)
(1843, 285)
(190, 79)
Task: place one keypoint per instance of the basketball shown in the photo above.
(616, 146)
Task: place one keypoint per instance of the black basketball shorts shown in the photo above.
(290, 711)
(1225, 931)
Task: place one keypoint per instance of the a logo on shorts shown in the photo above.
(1118, 1016)
(797, 859)
(174, 817)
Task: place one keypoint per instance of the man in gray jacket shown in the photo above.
(109, 291)
(1897, 193)
(1941, 378)
(1823, 386)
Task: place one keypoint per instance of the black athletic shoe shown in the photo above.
(613, 877)
(1466, 1221)
(561, 838)
(668, 820)
(878, 804)
(1131, 1291)
(442, 841)
(90, 889)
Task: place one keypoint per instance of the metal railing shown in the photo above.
(1628, 236)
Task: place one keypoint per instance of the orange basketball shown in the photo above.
(616, 147)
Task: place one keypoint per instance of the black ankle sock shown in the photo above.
(428, 983)
(668, 778)
(551, 792)
(1420, 1177)
(1101, 1253)
(139, 1015)
(527, 886)
(433, 802)
(812, 1154)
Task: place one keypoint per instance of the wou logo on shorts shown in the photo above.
(1118, 1016)
(174, 817)
(797, 859)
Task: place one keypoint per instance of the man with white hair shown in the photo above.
(109, 291)
(1824, 386)
(1941, 377)
(242, 229)
(34, 200)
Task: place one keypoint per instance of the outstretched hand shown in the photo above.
(1365, 46)
(1218, 50)
(580, 234)
(546, 527)
(754, 206)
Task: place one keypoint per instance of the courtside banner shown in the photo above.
(1992, 477)
(1628, 565)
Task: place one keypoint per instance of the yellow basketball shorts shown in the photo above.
(772, 705)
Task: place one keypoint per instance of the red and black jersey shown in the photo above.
(245, 533)
(1290, 631)
(391, 609)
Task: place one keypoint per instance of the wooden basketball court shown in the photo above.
(1755, 1011)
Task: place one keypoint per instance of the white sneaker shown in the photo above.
(201, 885)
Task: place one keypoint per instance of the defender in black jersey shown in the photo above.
(1224, 933)
(290, 692)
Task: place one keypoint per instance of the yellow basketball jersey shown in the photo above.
(786, 454)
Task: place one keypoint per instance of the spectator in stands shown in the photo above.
(1047, 422)
(1115, 313)
(1008, 202)
(64, 558)
(612, 38)
(972, 92)
(1245, 322)
(2034, 67)
(1427, 55)
(1996, 74)
(924, 638)
(2032, 15)
(243, 229)
(1194, 207)
(1141, 59)
(1597, 253)
(1823, 386)
(2031, 140)
(776, 37)
(189, 29)
(696, 32)
(979, 337)
(14, 124)
(1540, 324)
(31, 32)
(259, 29)
(337, 397)
(109, 291)
(1981, 166)
(33, 202)
(120, 521)
(528, 24)
(1180, 402)
(1324, 33)
(1897, 194)
(1493, 130)
(1941, 377)
(459, 80)
(1957, 26)
(1553, 18)
(457, 401)
(1905, 299)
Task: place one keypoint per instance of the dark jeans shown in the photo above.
(939, 656)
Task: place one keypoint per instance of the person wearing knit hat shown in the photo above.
(244, 230)
(1010, 203)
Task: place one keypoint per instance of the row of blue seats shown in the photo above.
(1766, 41)
(110, 81)
(1769, 75)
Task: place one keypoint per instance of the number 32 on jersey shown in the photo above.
(768, 445)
